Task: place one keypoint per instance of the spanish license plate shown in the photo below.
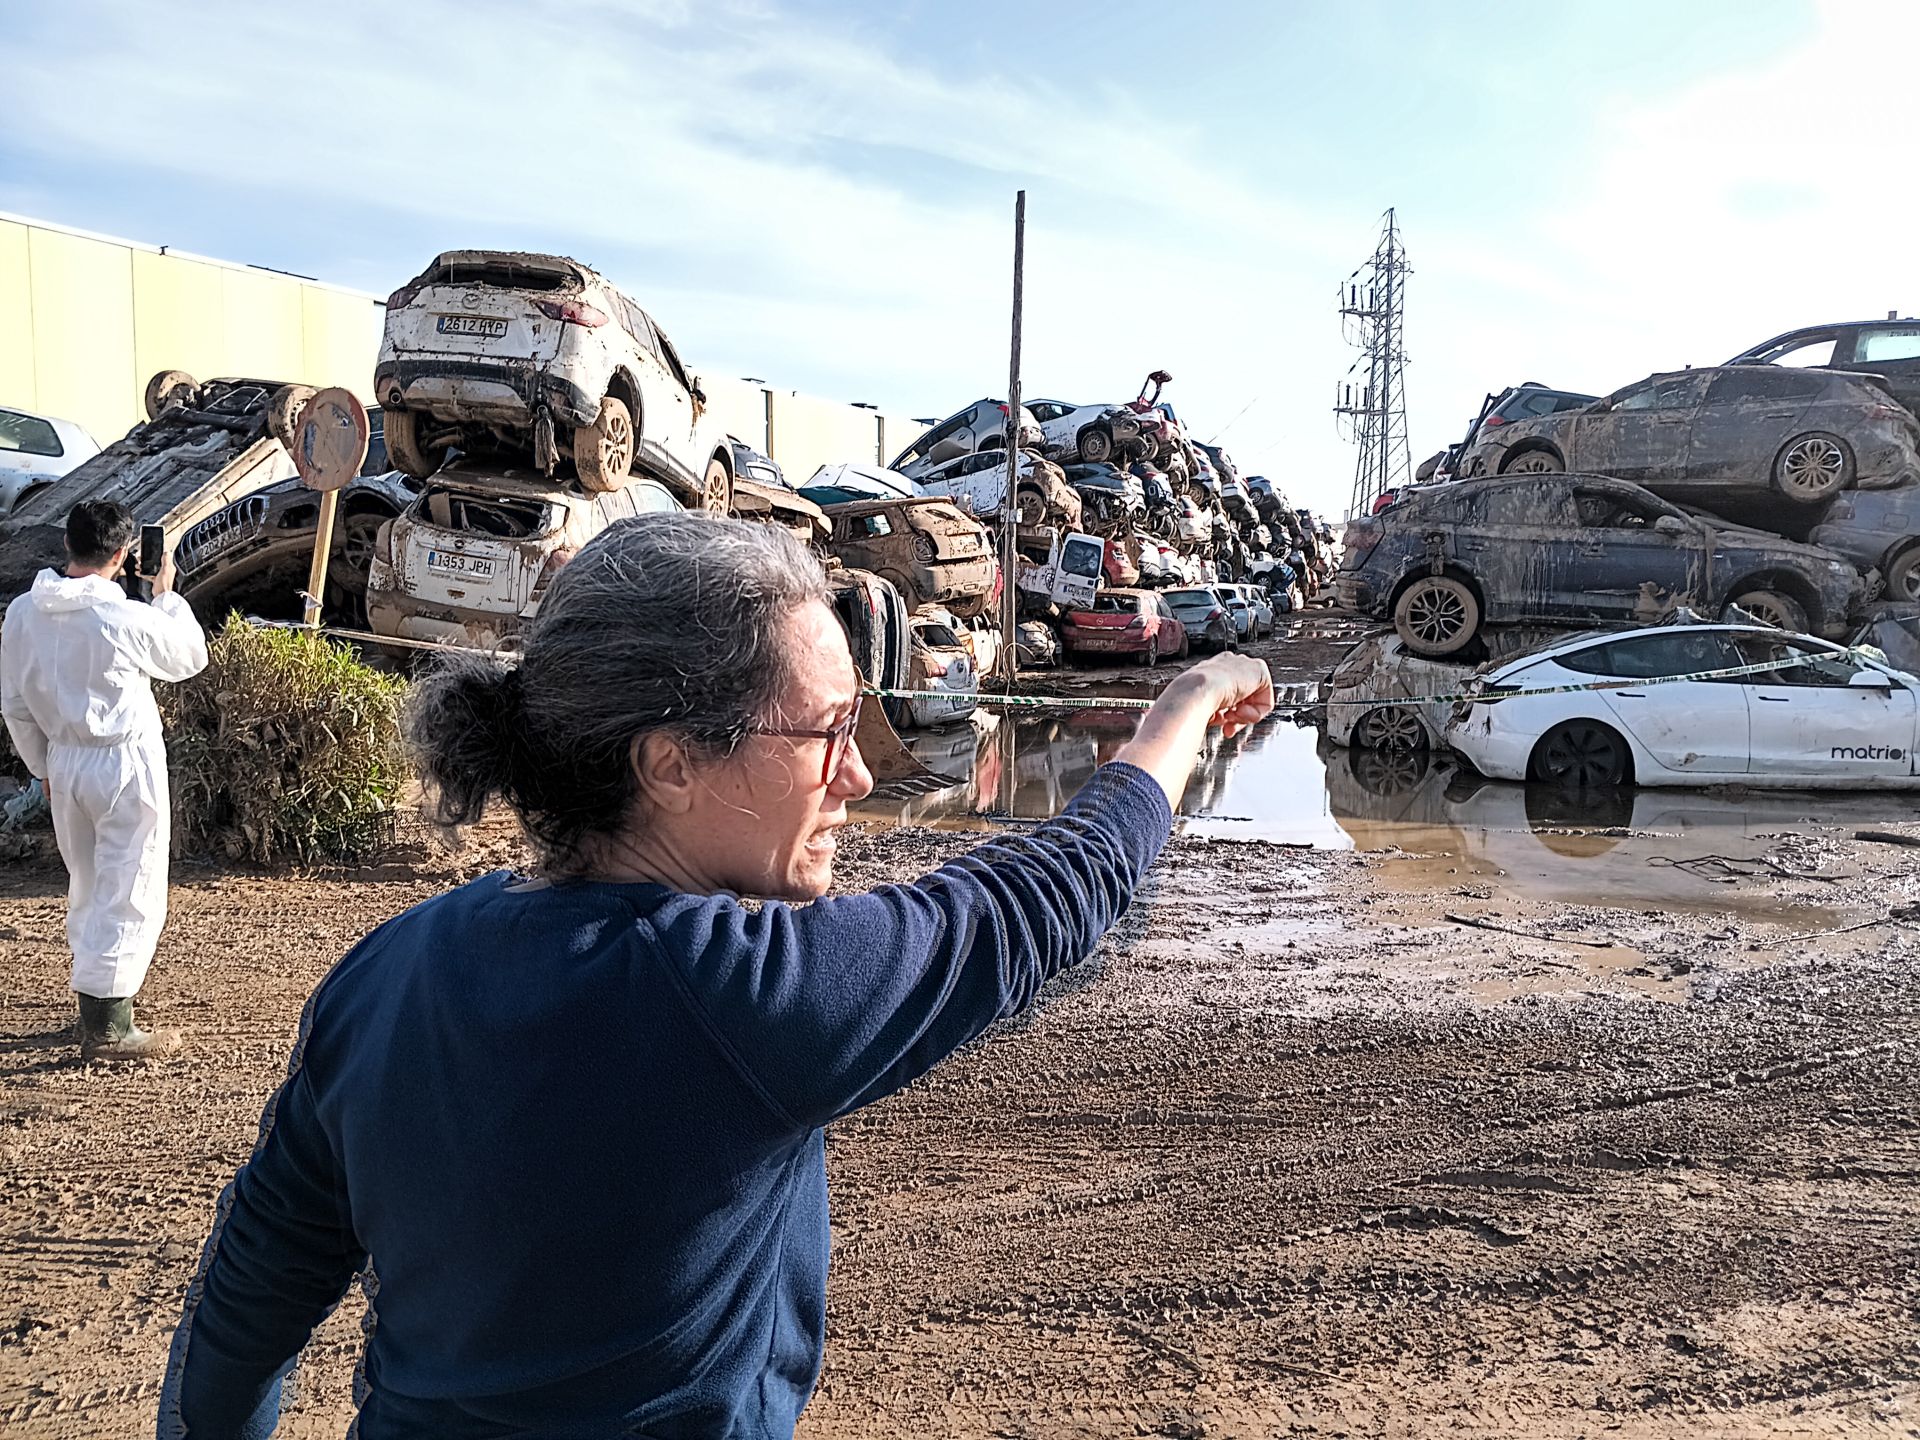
(484, 325)
(467, 567)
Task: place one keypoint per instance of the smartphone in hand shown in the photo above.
(153, 550)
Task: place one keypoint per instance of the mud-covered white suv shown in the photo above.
(486, 349)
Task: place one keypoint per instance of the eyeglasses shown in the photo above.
(839, 739)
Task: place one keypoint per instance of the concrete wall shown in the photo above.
(87, 320)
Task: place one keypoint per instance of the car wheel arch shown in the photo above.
(1619, 734)
(623, 386)
(1453, 570)
(1521, 448)
(1793, 586)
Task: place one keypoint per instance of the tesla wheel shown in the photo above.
(1770, 607)
(1581, 754)
(402, 430)
(1096, 444)
(1813, 468)
(716, 488)
(1533, 462)
(1390, 727)
(168, 389)
(1437, 615)
(603, 451)
(1903, 576)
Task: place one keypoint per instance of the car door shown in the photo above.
(1747, 415)
(686, 413)
(1642, 434)
(1688, 726)
(1892, 350)
(1622, 540)
(1810, 722)
(1515, 539)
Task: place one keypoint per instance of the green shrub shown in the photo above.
(285, 750)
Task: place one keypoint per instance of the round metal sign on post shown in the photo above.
(330, 440)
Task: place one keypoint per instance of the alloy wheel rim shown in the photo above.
(1813, 466)
(1436, 615)
(617, 447)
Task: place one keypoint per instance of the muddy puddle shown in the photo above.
(1439, 828)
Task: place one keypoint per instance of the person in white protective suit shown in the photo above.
(77, 662)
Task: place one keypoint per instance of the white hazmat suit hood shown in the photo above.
(77, 662)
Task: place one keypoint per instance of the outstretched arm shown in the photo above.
(833, 1005)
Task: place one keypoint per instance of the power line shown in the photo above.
(1373, 407)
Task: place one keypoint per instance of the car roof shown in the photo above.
(1607, 637)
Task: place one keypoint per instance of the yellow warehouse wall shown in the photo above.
(87, 320)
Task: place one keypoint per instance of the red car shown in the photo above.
(1126, 622)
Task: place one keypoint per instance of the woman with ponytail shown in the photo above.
(567, 1125)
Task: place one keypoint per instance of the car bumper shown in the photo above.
(1497, 746)
(1863, 545)
(1353, 592)
(510, 392)
(939, 705)
(958, 579)
(1107, 642)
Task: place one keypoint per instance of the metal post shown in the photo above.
(1010, 507)
(322, 545)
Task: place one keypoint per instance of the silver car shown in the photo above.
(981, 426)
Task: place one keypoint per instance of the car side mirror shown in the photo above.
(1670, 525)
(1871, 680)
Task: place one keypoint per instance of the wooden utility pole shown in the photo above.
(1010, 505)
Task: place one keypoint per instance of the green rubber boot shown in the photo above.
(107, 1032)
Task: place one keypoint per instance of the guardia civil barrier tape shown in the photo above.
(1124, 702)
(1067, 702)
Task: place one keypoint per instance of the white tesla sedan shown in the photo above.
(1837, 720)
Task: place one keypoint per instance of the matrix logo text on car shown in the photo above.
(1867, 752)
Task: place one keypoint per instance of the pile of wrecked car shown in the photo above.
(1676, 516)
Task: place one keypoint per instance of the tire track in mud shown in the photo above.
(1226, 1183)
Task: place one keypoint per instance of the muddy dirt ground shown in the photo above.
(1295, 1154)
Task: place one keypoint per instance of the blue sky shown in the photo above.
(821, 194)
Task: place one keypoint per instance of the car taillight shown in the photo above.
(1361, 537)
(1138, 622)
(931, 667)
(1493, 420)
(556, 561)
(403, 297)
(572, 312)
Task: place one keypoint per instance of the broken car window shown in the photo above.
(874, 526)
(1804, 352)
(1822, 667)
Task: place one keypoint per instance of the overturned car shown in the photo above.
(1556, 547)
(205, 445)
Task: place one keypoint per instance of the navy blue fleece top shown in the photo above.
(572, 1135)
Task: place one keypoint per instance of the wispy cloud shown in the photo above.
(830, 208)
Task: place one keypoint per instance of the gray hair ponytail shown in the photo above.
(662, 622)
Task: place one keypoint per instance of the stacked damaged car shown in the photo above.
(1734, 534)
